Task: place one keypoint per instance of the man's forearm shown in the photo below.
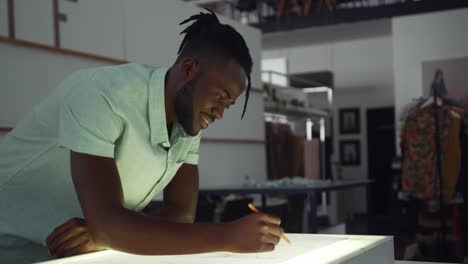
(176, 214)
(131, 232)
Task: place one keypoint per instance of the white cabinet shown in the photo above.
(94, 27)
(3, 18)
(34, 21)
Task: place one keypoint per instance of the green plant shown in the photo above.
(273, 96)
(284, 102)
(266, 89)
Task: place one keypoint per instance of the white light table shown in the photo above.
(305, 248)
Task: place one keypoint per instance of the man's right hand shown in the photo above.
(71, 238)
(254, 233)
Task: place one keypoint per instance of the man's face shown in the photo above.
(204, 98)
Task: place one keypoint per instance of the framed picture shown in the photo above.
(350, 122)
(350, 152)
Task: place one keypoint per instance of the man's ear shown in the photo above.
(189, 68)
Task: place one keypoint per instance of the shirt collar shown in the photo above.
(157, 109)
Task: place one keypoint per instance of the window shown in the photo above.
(278, 65)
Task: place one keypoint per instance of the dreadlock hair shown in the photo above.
(208, 35)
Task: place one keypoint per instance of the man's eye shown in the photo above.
(222, 101)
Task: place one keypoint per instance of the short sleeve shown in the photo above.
(192, 155)
(88, 123)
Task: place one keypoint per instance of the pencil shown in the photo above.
(255, 210)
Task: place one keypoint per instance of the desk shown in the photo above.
(305, 248)
(310, 190)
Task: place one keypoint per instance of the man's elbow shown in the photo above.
(185, 215)
(188, 219)
(103, 225)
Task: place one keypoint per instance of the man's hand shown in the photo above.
(71, 238)
(254, 233)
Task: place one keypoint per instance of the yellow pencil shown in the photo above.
(255, 210)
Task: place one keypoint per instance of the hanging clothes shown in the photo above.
(419, 171)
(277, 143)
(284, 151)
(312, 158)
(297, 157)
(463, 184)
(451, 160)
(465, 117)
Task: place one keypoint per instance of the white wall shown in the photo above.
(18, 94)
(142, 31)
(455, 77)
(416, 39)
(228, 164)
(154, 25)
(28, 75)
(360, 57)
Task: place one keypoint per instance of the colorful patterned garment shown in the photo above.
(417, 142)
(451, 162)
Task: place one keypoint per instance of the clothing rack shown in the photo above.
(429, 181)
(441, 239)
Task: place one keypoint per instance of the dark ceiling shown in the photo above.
(285, 15)
(290, 20)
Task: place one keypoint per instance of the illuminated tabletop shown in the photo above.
(305, 248)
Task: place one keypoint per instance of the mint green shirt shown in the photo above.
(113, 112)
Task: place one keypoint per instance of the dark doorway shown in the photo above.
(381, 151)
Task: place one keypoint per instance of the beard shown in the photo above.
(184, 106)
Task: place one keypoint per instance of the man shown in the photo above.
(109, 139)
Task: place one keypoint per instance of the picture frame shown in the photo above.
(350, 121)
(350, 152)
